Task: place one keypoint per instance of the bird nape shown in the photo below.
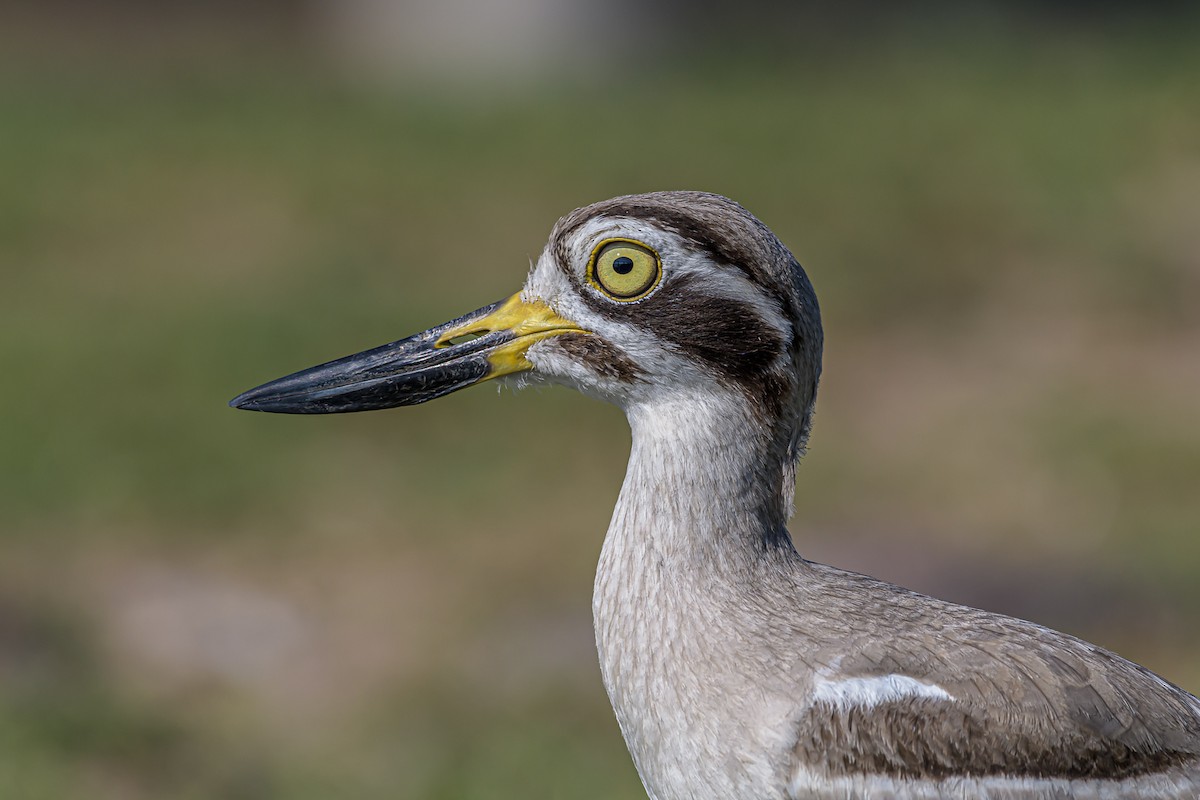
(736, 668)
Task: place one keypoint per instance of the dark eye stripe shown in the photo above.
(726, 336)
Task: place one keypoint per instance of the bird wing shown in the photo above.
(946, 692)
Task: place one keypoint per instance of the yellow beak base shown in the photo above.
(527, 322)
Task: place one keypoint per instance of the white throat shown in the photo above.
(699, 480)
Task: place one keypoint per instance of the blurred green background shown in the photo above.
(1000, 211)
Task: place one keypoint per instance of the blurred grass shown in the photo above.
(1002, 233)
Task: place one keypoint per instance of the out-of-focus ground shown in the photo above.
(1002, 220)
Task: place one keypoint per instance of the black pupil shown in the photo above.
(623, 265)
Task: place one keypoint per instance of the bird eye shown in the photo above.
(624, 270)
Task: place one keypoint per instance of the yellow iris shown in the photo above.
(624, 270)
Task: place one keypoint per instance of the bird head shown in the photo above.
(639, 300)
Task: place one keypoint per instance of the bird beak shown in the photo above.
(484, 344)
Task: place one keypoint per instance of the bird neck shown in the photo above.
(698, 528)
(704, 482)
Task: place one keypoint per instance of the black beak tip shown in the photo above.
(244, 401)
(260, 398)
(291, 394)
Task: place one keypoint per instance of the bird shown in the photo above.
(738, 669)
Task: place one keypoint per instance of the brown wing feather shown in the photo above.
(1028, 701)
